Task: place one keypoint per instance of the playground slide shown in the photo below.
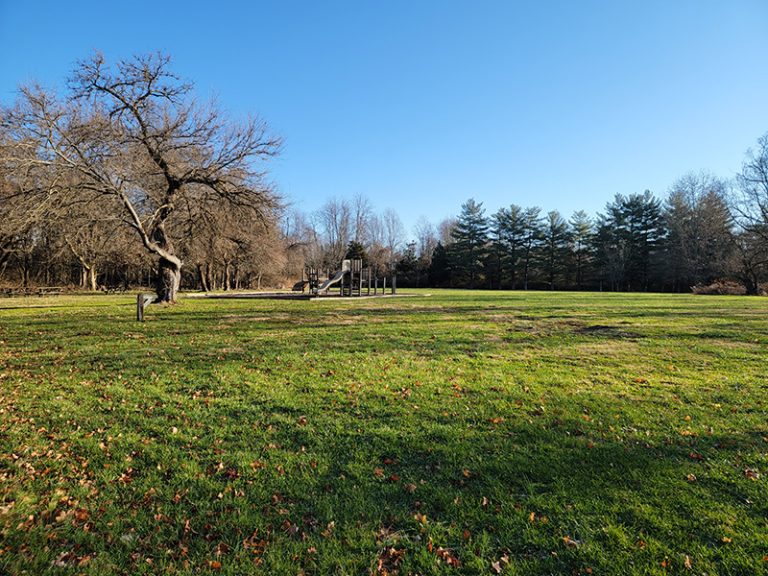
(331, 281)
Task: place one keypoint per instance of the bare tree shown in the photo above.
(335, 219)
(130, 140)
(752, 203)
(426, 241)
(699, 239)
(393, 234)
(361, 213)
(445, 231)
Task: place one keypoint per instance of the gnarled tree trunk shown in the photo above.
(168, 279)
(168, 267)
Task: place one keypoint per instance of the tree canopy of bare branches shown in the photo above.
(130, 140)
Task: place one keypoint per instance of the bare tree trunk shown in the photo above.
(168, 280)
(168, 268)
(203, 278)
(227, 283)
(92, 276)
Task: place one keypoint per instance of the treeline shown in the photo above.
(125, 180)
(707, 234)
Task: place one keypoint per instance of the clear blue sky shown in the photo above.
(422, 104)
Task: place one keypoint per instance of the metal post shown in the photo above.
(394, 285)
(384, 287)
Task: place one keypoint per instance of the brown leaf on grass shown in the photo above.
(447, 556)
(688, 564)
(81, 514)
(410, 487)
(214, 564)
(691, 478)
(695, 456)
(571, 542)
(497, 420)
(302, 421)
(328, 530)
(752, 474)
(388, 561)
(290, 528)
(378, 472)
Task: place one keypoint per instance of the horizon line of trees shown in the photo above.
(126, 180)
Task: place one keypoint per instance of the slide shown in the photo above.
(331, 281)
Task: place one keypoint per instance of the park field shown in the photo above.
(455, 432)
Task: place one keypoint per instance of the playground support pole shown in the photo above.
(369, 280)
(394, 285)
(384, 287)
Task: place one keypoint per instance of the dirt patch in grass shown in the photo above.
(608, 331)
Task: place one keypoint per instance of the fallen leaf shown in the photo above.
(571, 543)
(752, 474)
(688, 564)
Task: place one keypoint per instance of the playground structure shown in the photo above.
(350, 280)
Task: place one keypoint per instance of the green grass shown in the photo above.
(462, 432)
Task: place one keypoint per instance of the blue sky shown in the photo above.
(420, 105)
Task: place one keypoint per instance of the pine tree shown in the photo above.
(581, 232)
(470, 238)
(554, 246)
(531, 241)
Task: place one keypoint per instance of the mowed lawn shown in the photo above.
(458, 432)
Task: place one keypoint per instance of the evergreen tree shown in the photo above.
(440, 267)
(554, 246)
(470, 237)
(581, 232)
(509, 235)
(531, 236)
(628, 242)
(356, 251)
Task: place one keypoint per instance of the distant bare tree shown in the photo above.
(750, 205)
(335, 219)
(445, 231)
(700, 239)
(752, 202)
(361, 214)
(426, 241)
(394, 233)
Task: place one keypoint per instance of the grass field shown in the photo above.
(462, 432)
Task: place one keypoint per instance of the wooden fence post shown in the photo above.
(141, 301)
